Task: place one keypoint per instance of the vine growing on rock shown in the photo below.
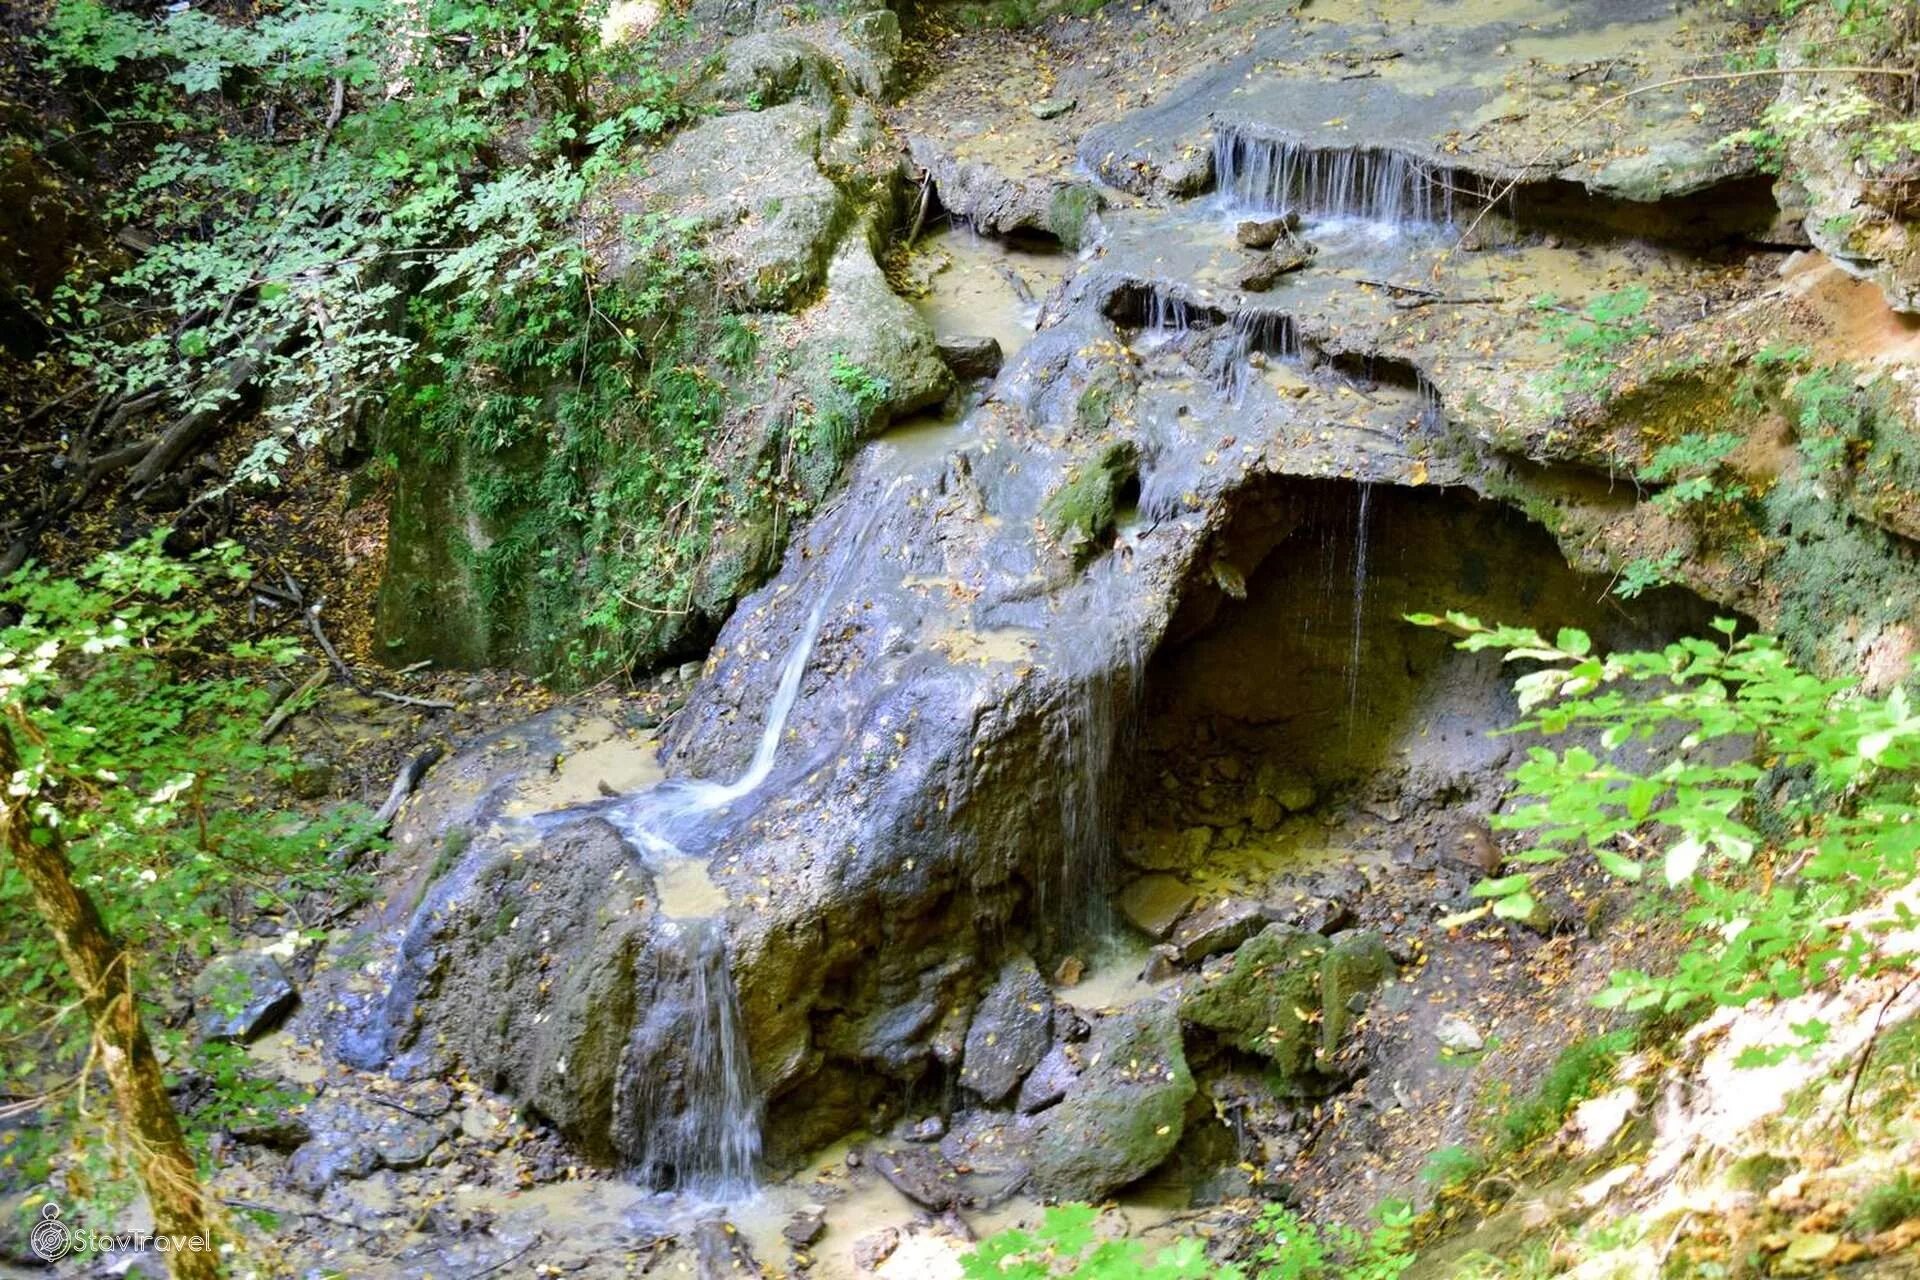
(1780, 807)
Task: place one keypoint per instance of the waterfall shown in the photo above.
(697, 1114)
(1167, 318)
(652, 819)
(1093, 724)
(1359, 604)
(700, 1123)
(1266, 175)
(1252, 331)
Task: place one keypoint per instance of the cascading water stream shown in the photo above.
(702, 1127)
(701, 1130)
(1385, 187)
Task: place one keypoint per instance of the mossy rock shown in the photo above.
(1125, 1113)
(1355, 966)
(1081, 511)
(1073, 214)
(1263, 999)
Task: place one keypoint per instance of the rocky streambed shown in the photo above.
(1069, 816)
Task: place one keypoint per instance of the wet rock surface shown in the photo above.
(1123, 1114)
(1010, 1031)
(238, 997)
(1213, 668)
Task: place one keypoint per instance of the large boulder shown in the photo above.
(753, 183)
(1125, 1112)
(1010, 1031)
(1264, 999)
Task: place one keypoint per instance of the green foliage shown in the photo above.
(1887, 1205)
(1694, 471)
(283, 257)
(1067, 1246)
(1591, 340)
(138, 732)
(1832, 33)
(1831, 418)
(1580, 1071)
(1645, 573)
(585, 421)
(1064, 1247)
(1451, 1167)
(1766, 872)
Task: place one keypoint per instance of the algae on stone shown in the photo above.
(1124, 1114)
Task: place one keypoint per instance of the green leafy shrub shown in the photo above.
(1591, 340)
(1645, 573)
(283, 262)
(1066, 1246)
(1577, 1074)
(1693, 469)
(138, 728)
(1451, 1167)
(1887, 1205)
(1765, 872)
(1831, 418)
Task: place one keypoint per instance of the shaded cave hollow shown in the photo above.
(1291, 697)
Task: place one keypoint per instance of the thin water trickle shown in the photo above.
(1359, 605)
(1093, 725)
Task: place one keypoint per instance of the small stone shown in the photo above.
(1049, 108)
(1293, 792)
(1163, 964)
(805, 1227)
(1154, 904)
(970, 356)
(478, 1123)
(1047, 1083)
(932, 1129)
(1218, 927)
(1457, 1035)
(1265, 271)
(1598, 1120)
(1260, 233)
(1324, 916)
(1069, 971)
(271, 1130)
(690, 672)
(240, 996)
(312, 777)
(1010, 1031)
(869, 1251)
(854, 1160)
(921, 1174)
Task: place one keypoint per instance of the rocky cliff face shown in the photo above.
(787, 191)
(1119, 625)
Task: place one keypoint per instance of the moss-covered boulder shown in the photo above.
(1265, 998)
(1082, 509)
(1354, 967)
(1124, 1114)
(606, 515)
